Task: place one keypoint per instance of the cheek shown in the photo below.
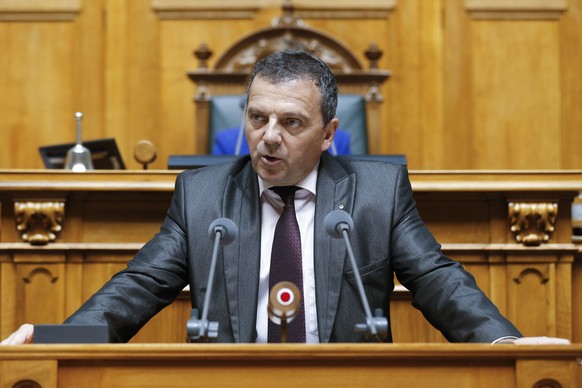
(253, 137)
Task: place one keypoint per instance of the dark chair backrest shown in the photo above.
(226, 111)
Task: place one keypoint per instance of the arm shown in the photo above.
(447, 295)
(151, 281)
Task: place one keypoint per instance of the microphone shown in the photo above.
(284, 304)
(338, 224)
(223, 231)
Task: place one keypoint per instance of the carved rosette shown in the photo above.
(39, 222)
(532, 223)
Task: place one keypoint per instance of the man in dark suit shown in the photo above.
(290, 124)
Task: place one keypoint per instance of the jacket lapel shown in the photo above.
(335, 191)
(242, 258)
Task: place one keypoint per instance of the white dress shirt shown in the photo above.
(271, 209)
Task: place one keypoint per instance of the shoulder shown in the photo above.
(367, 166)
(217, 174)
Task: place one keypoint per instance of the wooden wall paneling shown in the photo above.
(407, 323)
(36, 72)
(576, 305)
(476, 84)
(124, 216)
(457, 102)
(178, 39)
(565, 299)
(496, 284)
(143, 83)
(516, 103)
(74, 282)
(431, 81)
(532, 284)
(39, 10)
(8, 302)
(50, 68)
(439, 211)
(570, 30)
(88, 75)
(18, 374)
(534, 373)
(117, 69)
(169, 325)
(405, 127)
(40, 289)
(132, 80)
(516, 9)
(540, 282)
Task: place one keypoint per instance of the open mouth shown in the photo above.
(270, 159)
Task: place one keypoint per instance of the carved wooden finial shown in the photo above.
(288, 18)
(203, 53)
(373, 54)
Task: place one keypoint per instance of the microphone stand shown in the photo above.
(224, 231)
(376, 326)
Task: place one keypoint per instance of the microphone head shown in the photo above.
(226, 227)
(284, 302)
(337, 221)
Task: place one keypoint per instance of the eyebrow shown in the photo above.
(285, 114)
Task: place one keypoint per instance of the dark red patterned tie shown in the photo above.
(286, 263)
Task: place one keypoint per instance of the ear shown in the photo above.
(329, 129)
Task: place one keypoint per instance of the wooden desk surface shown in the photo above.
(337, 365)
(422, 180)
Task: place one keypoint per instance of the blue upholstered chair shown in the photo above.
(226, 111)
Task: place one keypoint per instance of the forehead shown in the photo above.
(298, 92)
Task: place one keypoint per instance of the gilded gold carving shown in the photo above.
(532, 223)
(39, 222)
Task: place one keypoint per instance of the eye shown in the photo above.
(293, 123)
(256, 119)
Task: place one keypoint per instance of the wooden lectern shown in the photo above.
(291, 365)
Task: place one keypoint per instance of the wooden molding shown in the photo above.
(39, 222)
(343, 9)
(39, 10)
(516, 9)
(205, 9)
(247, 9)
(532, 223)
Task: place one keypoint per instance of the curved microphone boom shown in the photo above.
(223, 231)
(338, 224)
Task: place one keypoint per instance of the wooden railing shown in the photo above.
(325, 365)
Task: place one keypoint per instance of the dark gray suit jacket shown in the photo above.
(388, 237)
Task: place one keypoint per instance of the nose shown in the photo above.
(272, 133)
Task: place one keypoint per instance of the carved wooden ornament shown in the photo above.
(38, 222)
(532, 223)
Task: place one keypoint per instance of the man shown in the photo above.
(290, 125)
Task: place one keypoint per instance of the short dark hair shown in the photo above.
(289, 65)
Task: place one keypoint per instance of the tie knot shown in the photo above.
(287, 193)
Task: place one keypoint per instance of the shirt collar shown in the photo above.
(308, 183)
